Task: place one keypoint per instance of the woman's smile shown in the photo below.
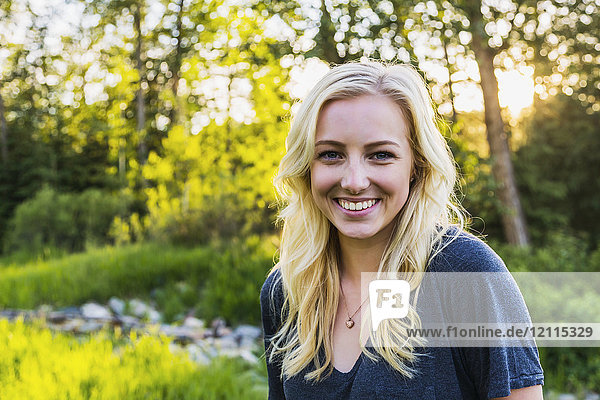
(355, 208)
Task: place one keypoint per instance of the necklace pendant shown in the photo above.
(349, 323)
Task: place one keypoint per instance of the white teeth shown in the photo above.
(356, 206)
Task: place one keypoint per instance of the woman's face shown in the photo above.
(361, 172)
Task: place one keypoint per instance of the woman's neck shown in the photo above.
(360, 255)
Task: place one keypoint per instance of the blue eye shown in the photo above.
(329, 155)
(382, 155)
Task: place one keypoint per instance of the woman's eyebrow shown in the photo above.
(382, 143)
(368, 145)
(329, 142)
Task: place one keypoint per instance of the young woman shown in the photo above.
(367, 184)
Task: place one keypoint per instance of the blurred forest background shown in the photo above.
(145, 127)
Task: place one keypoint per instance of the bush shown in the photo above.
(220, 217)
(38, 364)
(232, 289)
(101, 273)
(562, 253)
(64, 220)
(571, 370)
(556, 169)
(223, 280)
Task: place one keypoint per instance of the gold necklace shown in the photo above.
(350, 321)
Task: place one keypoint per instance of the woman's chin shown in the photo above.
(357, 235)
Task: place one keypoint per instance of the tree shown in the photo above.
(513, 219)
(136, 8)
(3, 133)
(53, 136)
(213, 177)
(558, 172)
(566, 38)
(4, 15)
(128, 62)
(387, 30)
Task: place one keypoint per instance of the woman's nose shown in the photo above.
(355, 178)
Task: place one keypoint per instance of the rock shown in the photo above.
(95, 311)
(227, 342)
(154, 316)
(128, 322)
(44, 309)
(248, 331)
(567, 396)
(10, 314)
(193, 323)
(138, 308)
(89, 326)
(71, 325)
(247, 355)
(57, 317)
(200, 343)
(116, 305)
(182, 334)
(219, 328)
(243, 353)
(71, 312)
(197, 354)
(142, 310)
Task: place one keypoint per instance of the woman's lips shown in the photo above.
(357, 213)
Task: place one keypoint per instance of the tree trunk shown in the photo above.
(3, 133)
(177, 106)
(325, 38)
(448, 66)
(140, 107)
(122, 161)
(513, 219)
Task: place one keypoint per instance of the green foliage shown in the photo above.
(562, 253)
(223, 281)
(557, 170)
(214, 180)
(477, 187)
(176, 298)
(37, 364)
(64, 220)
(99, 274)
(234, 281)
(572, 370)
(208, 74)
(127, 230)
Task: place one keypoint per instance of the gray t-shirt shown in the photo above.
(441, 372)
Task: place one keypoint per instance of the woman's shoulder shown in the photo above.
(271, 302)
(460, 251)
(271, 292)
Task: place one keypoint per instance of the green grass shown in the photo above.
(222, 280)
(99, 274)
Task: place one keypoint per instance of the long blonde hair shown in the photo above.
(308, 259)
